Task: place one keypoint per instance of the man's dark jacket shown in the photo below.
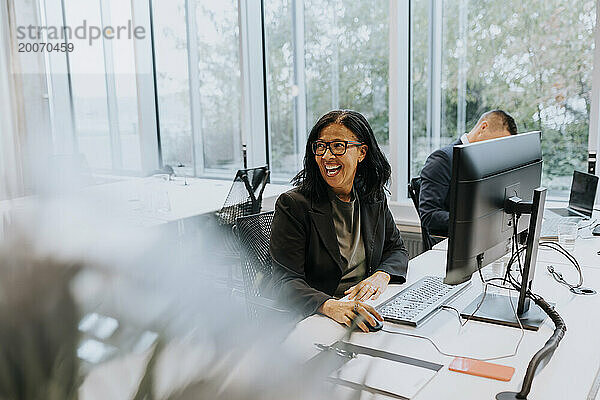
(434, 204)
(307, 266)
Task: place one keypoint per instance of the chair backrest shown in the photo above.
(254, 234)
(245, 196)
(414, 189)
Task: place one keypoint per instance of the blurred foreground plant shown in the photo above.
(38, 328)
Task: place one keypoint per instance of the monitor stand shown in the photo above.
(497, 309)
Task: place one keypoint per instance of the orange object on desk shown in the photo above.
(481, 368)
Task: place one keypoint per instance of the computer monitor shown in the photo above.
(491, 180)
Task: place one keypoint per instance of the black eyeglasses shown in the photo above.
(336, 147)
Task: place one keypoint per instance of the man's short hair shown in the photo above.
(505, 119)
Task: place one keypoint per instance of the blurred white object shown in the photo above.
(98, 325)
(567, 234)
(94, 351)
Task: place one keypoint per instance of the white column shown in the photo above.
(299, 80)
(335, 60)
(254, 128)
(399, 96)
(111, 92)
(461, 113)
(11, 118)
(146, 95)
(434, 97)
(59, 86)
(194, 85)
(595, 106)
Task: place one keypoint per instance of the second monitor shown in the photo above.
(491, 182)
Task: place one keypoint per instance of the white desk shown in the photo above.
(441, 246)
(147, 202)
(586, 252)
(156, 200)
(569, 374)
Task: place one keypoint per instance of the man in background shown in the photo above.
(434, 205)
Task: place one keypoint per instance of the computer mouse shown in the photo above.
(378, 324)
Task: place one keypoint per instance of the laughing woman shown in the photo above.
(333, 235)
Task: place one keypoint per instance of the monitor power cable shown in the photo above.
(578, 288)
(485, 283)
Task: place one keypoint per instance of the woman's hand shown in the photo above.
(344, 312)
(370, 288)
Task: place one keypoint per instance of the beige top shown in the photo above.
(346, 220)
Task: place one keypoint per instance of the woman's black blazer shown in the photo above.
(307, 266)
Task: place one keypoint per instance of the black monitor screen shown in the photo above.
(484, 175)
(583, 192)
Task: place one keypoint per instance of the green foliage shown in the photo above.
(532, 59)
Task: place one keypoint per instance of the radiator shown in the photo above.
(413, 243)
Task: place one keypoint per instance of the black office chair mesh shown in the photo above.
(414, 188)
(244, 198)
(254, 234)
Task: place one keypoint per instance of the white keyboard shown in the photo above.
(413, 304)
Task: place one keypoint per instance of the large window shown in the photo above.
(173, 84)
(323, 55)
(211, 68)
(104, 88)
(346, 57)
(88, 80)
(533, 59)
(282, 85)
(197, 48)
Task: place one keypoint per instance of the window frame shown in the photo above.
(253, 63)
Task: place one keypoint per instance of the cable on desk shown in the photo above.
(558, 276)
(457, 355)
(546, 352)
(500, 286)
(549, 347)
(462, 324)
(588, 225)
(485, 283)
(485, 286)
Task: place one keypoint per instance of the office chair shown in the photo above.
(414, 188)
(254, 233)
(244, 198)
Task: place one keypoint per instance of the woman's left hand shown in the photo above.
(370, 288)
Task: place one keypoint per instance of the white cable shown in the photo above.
(485, 283)
(473, 358)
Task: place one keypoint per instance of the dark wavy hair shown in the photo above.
(372, 174)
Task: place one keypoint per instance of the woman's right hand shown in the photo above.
(344, 312)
